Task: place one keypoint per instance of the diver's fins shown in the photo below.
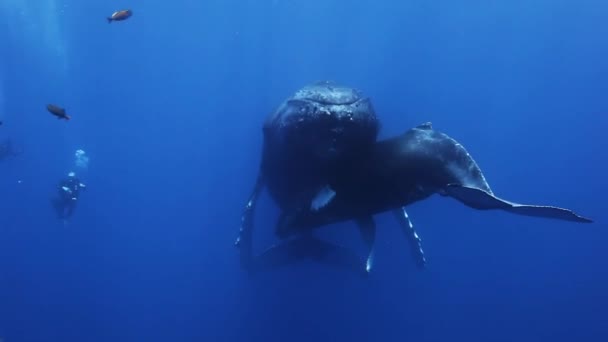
(483, 200)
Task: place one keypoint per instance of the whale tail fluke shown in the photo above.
(307, 247)
(483, 200)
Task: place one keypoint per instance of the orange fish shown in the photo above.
(120, 15)
(58, 112)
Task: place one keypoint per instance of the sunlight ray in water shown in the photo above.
(36, 25)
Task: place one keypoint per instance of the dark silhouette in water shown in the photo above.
(7, 150)
(405, 169)
(319, 128)
(308, 134)
(399, 171)
(307, 247)
(318, 177)
(68, 193)
(58, 112)
(120, 15)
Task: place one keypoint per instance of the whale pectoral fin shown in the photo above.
(322, 198)
(244, 240)
(483, 200)
(412, 237)
(367, 228)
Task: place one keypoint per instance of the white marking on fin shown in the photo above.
(323, 198)
(370, 261)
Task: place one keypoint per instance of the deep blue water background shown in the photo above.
(169, 106)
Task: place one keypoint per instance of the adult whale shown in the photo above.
(395, 172)
(313, 133)
(308, 134)
(305, 138)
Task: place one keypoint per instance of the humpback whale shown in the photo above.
(307, 136)
(321, 164)
(399, 171)
(311, 133)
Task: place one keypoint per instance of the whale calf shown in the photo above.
(399, 171)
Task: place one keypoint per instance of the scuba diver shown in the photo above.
(68, 193)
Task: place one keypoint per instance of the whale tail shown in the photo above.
(306, 246)
(483, 200)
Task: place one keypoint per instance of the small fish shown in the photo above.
(120, 15)
(58, 112)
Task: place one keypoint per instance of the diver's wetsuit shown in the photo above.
(68, 192)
